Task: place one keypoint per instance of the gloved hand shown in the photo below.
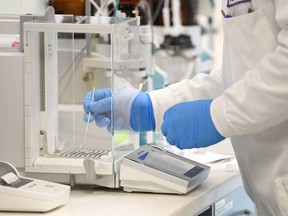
(132, 109)
(189, 125)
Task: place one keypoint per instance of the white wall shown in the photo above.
(23, 6)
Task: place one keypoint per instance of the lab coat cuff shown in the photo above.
(162, 100)
(219, 118)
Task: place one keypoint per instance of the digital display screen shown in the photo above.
(166, 162)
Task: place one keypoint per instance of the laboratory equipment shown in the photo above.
(55, 88)
(152, 169)
(18, 193)
(141, 9)
(178, 38)
(58, 68)
(49, 80)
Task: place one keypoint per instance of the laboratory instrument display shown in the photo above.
(19, 193)
(152, 169)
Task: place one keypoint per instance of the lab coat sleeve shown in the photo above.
(202, 86)
(259, 100)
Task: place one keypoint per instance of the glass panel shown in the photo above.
(127, 62)
(61, 67)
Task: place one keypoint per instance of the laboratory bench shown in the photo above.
(221, 194)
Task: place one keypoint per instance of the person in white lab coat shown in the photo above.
(246, 101)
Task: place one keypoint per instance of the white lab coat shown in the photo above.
(251, 100)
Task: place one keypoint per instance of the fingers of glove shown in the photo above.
(170, 139)
(178, 145)
(86, 116)
(101, 106)
(102, 121)
(164, 128)
(165, 124)
(87, 101)
(101, 94)
(98, 95)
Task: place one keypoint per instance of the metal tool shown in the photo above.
(88, 122)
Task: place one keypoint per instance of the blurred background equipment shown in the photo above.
(181, 32)
(178, 38)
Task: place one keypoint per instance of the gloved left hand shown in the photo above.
(132, 109)
(189, 125)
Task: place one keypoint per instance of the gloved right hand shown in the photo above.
(132, 109)
(189, 125)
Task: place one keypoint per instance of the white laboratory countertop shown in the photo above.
(102, 202)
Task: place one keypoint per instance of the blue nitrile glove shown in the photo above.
(142, 114)
(189, 125)
(99, 106)
(132, 109)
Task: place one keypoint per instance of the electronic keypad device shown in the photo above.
(150, 169)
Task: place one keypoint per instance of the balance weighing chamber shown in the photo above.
(64, 58)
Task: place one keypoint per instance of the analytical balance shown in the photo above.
(62, 61)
